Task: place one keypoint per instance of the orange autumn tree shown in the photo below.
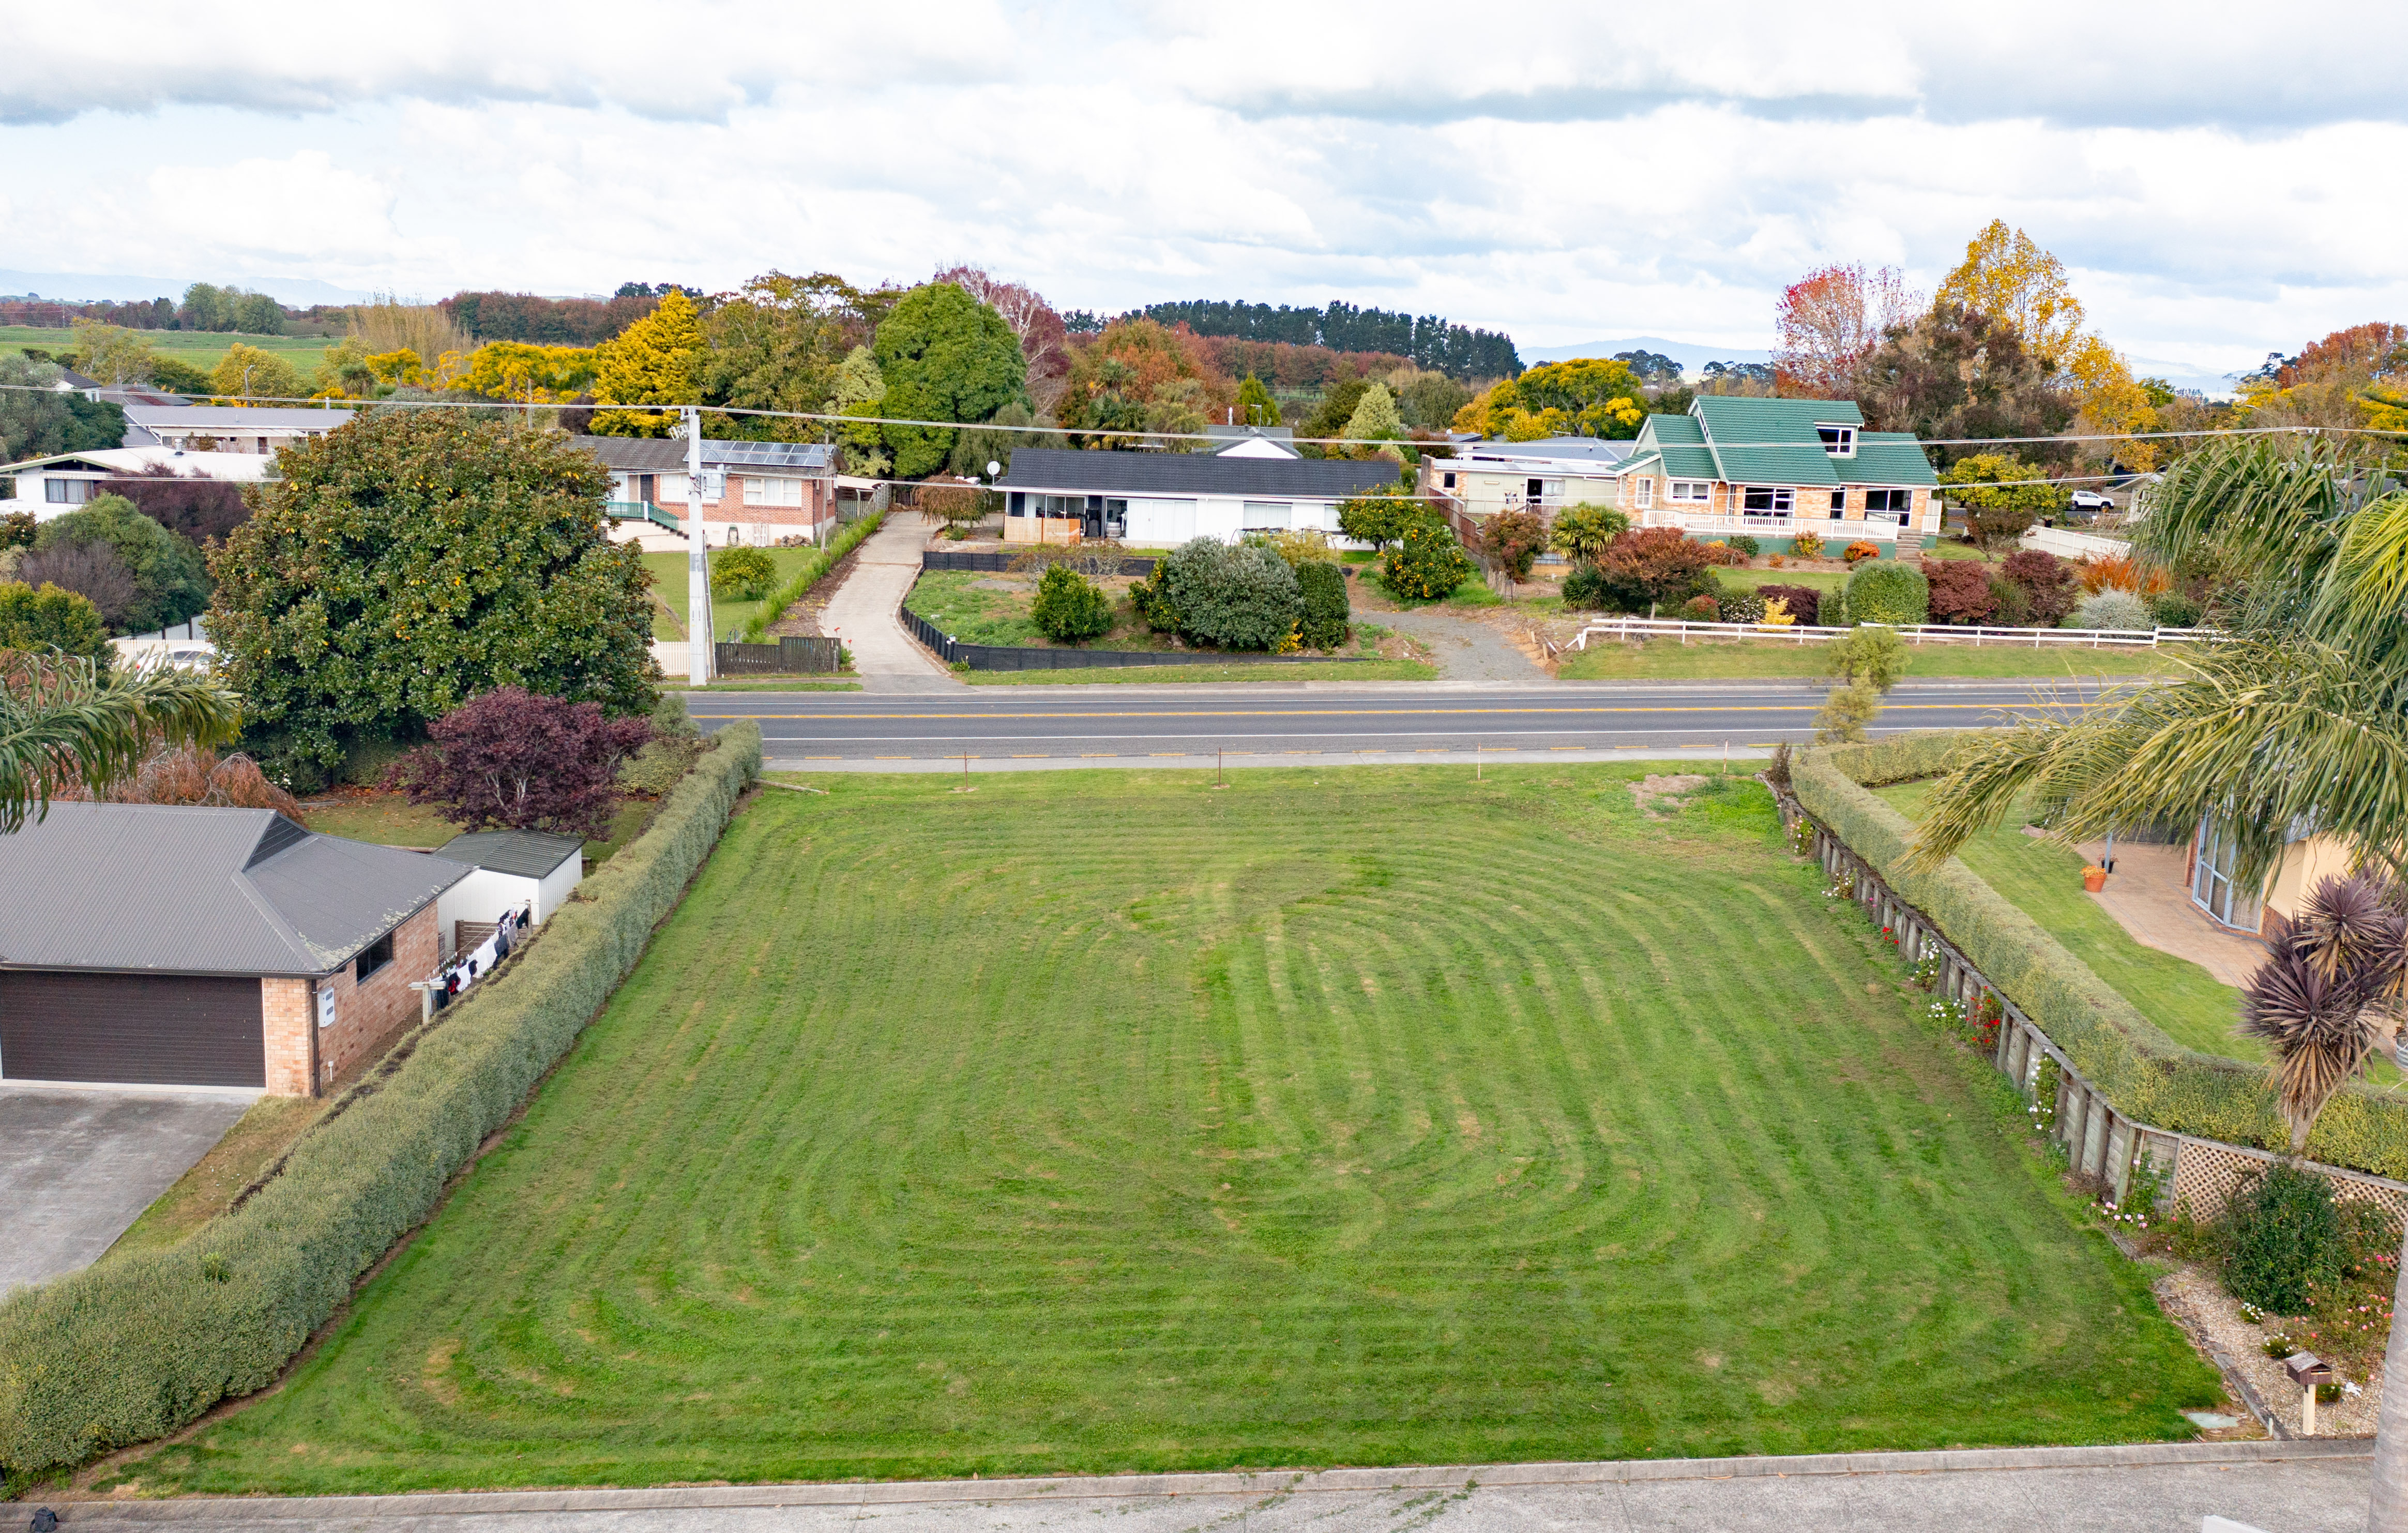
(1830, 321)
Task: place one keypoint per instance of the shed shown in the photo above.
(511, 870)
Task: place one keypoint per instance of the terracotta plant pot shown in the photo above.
(2093, 880)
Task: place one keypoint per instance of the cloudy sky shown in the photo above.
(2221, 179)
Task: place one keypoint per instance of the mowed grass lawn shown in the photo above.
(1106, 1121)
(727, 616)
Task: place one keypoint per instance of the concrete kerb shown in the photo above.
(1169, 1487)
(1314, 760)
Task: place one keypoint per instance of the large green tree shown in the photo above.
(413, 560)
(778, 343)
(945, 356)
(37, 420)
(46, 618)
(169, 580)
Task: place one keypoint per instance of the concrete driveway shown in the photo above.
(79, 1166)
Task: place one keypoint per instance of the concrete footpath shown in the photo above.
(2281, 1487)
(862, 612)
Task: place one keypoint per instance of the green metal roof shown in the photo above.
(1890, 457)
(1743, 440)
(1740, 418)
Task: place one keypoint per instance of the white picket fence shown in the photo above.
(1627, 629)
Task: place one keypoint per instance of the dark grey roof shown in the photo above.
(76, 380)
(235, 420)
(1592, 449)
(186, 890)
(527, 854)
(666, 454)
(1057, 469)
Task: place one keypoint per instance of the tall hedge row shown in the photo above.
(2147, 1075)
(139, 1345)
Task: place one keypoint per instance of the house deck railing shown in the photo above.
(642, 510)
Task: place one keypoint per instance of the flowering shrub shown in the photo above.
(1926, 972)
(1806, 545)
(1859, 551)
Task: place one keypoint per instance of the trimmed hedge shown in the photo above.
(137, 1346)
(2148, 1076)
(1886, 590)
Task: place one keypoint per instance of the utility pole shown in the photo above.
(699, 653)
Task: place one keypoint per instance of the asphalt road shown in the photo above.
(1033, 723)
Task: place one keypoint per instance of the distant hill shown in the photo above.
(294, 292)
(1690, 356)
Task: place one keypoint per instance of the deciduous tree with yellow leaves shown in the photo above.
(655, 361)
(1591, 397)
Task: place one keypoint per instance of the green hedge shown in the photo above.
(137, 1346)
(756, 628)
(2148, 1076)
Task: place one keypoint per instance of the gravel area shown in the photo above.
(2193, 1297)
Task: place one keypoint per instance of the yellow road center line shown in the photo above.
(1383, 712)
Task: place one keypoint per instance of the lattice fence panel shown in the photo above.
(2207, 1175)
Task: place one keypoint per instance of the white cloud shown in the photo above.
(1577, 172)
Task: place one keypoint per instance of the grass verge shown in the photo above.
(1112, 1122)
(235, 1162)
(1606, 660)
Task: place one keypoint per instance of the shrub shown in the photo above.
(16, 530)
(1960, 590)
(1804, 602)
(1807, 545)
(1299, 549)
(1069, 608)
(51, 618)
(1584, 531)
(1831, 608)
(1381, 517)
(1872, 656)
(511, 760)
(139, 1344)
(1777, 561)
(2121, 572)
(2284, 1240)
(1745, 545)
(1886, 591)
(2010, 606)
(1585, 590)
(1861, 550)
(742, 574)
(2172, 610)
(1742, 607)
(1323, 587)
(1701, 609)
(1847, 711)
(2046, 582)
(1426, 563)
(1241, 597)
(1720, 552)
(170, 582)
(1656, 567)
(1776, 611)
(1151, 597)
(2112, 610)
(1514, 540)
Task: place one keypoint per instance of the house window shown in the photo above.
(1690, 492)
(1766, 500)
(1266, 516)
(773, 491)
(1838, 503)
(1839, 441)
(2213, 888)
(1446, 480)
(1893, 502)
(1646, 493)
(379, 953)
(67, 492)
(1115, 517)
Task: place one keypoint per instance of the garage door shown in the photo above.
(140, 1029)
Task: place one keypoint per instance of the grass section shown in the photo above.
(1237, 670)
(766, 686)
(205, 1191)
(203, 349)
(729, 616)
(1748, 579)
(388, 819)
(1111, 1121)
(2044, 880)
(1665, 659)
(961, 609)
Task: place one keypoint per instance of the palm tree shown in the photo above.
(2299, 716)
(2331, 981)
(66, 721)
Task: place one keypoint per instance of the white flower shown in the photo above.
(2348, 1388)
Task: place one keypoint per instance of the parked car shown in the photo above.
(2086, 505)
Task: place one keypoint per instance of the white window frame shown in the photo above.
(1646, 500)
(1837, 440)
(1781, 500)
(1838, 504)
(1690, 492)
(1253, 516)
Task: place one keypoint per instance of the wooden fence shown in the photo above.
(789, 656)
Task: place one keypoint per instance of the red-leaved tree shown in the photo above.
(1960, 590)
(1043, 339)
(1830, 320)
(511, 760)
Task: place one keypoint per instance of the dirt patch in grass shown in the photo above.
(1656, 791)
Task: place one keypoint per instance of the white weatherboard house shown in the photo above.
(1485, 478)
(1163, 500)
(258, 429)
(55, 485)
(515, 869)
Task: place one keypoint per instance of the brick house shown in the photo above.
(754, 494)
(172, 945)
(1772, 469)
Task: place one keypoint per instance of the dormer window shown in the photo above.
(1839, 441)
